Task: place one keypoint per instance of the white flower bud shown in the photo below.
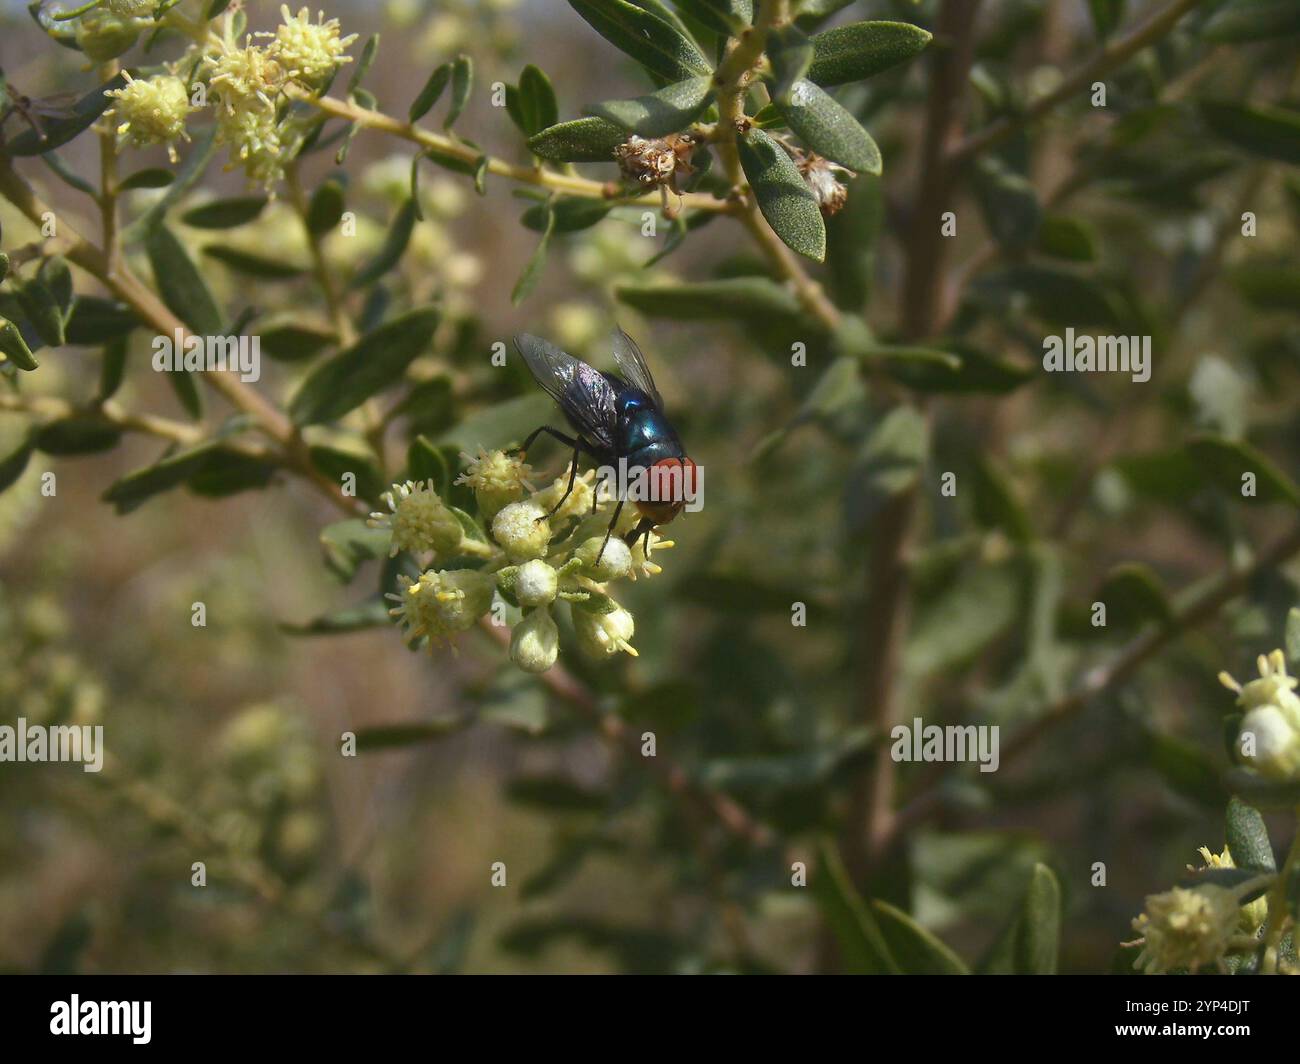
(535, 583)
(535, 642)
(602, 635)
(614, 564)
(522, 530)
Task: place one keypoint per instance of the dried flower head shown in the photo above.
(819, 174)
(657, 161)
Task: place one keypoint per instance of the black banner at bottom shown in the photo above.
(145, 1012)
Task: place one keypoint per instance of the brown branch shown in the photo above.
(1201, 607)
(868, 825)
(1116, 52)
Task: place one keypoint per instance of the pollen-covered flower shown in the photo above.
(1184, 928)
(535, 583)
(309, 51)
(602, 635)
(245, 78)
(152, 110)
(441, 603)
(1253, 914)
(419, 520)
(535, 641)
(522, 530)
(581, 500)
(615, 561)
(496, 478)
(819, 174)
(656, 161)
(1269, 736)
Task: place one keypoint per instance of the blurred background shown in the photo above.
(225, 738)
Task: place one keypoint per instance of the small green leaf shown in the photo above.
(655, 44)
(394, 246)
(46, 306)
(1134, 596)
(1261, 791)
(532, 104)
(919, 952)
(727, 18)
(376, 361)
(1264, 130)
(398, 736)
(462, 83)
(582, 140)
(828, 128)
(224, 213)
(291, 342)
(431, 93)
(1247, 838)
(349, 543)
(1008, 203)
(180, 284)
(76, 435)
(785, 200)
(338, 462)
(1064, 237)
(670, 110)
(156, 177)
(572, 213)
(326, 207)
(1106, 16)
(14, 465)
(373, 613)
(176, 469)
(791, 53)
(1224, 461)
(862, 945)
(862, 49)
(55, 132)
(996, 505)
(1268, 285)
(252, 265)
(533, 270)
(112, 367)
(14, 348)
(95, 320)
(1040, 933)
(1253, 20)
(736, 298)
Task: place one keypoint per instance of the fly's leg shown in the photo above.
(609, 531)
(579, 446)
(644, 527)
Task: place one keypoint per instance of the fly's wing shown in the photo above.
(632, 365)
(583, 393)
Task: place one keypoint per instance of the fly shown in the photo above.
(614, 416)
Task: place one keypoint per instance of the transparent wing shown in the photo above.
(583, 393)
(632, 365)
